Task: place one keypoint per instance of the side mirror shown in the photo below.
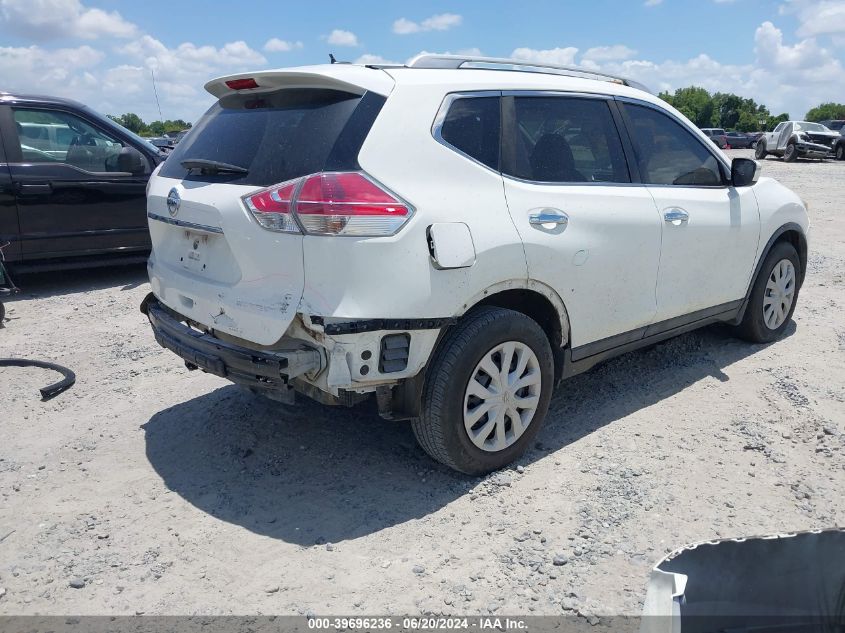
(744, 172)
(130, 160)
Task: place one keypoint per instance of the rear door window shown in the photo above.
(472, 126)
(566, 140)
(278, 136)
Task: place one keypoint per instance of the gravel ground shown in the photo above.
(150, 489)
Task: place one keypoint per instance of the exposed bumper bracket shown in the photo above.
(264, 370)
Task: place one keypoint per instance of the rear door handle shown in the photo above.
(35, 189)
(548, 218)
(676, 216)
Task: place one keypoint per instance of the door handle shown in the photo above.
(548, 218)
(676, 216)
(33, 189)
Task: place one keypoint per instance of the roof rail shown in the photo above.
(521, 65)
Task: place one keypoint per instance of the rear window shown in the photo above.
(278, 136)
(472, 126)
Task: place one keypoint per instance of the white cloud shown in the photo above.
(126, 86)
(785, 76)
(34, 69)
(339, 37)
(376, 60)
(438, 22)
(609, 53)
(275, 45)
(560, 56)
(818, 17)
(52, 19)
(653, 3)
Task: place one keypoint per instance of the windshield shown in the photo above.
(804, 126)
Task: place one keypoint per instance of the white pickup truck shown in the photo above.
(797, 139)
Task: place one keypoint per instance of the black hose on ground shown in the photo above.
(50, 391)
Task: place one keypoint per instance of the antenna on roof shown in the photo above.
(332, 59)
(155, 92)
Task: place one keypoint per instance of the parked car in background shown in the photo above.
(717, 135)
(797, 139)
(162, 143)
(396, 251)
(72, 184)
(738, 140)
(839, 146)
(834, 124)
(754, 136)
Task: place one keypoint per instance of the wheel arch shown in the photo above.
(527, 296)
(792, 233)
(537, 301)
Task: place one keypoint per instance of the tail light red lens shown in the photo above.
(272, 207)
(330, 203)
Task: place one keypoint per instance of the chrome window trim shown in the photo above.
(556, 93)
(186, 225)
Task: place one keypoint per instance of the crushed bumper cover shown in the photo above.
(814, 150)
(263, 370)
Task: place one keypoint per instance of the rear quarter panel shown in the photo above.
(394, 277)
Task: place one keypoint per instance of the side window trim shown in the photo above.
(8, 137)
(620, 119)
(509, 128)
(443, 111)
(707, 145)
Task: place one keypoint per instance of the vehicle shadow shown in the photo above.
(310, 473)
(66, 282)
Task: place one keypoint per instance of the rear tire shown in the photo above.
(450, 409)
(760, 150)
(790, 154)
(757, 325)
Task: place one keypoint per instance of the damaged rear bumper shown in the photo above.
(267, 371)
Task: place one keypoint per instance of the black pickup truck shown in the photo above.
(72, 185)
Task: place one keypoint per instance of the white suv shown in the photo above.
(456, 236)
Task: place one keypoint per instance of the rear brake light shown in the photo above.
(242, 84)
(348, 204)
(329, 203)
(272, 207)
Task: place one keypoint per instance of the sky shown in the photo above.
(787, 54)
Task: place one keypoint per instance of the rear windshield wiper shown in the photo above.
(212, 166)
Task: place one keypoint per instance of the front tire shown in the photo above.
(486, 392)
(790, 155)
(760, 150)
(773, 296)
(840, 151)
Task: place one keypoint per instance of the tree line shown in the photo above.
(732, 112)
(722, 109)
(134, 123)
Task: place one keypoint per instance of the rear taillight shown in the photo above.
(272, 207)
(329, 203)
